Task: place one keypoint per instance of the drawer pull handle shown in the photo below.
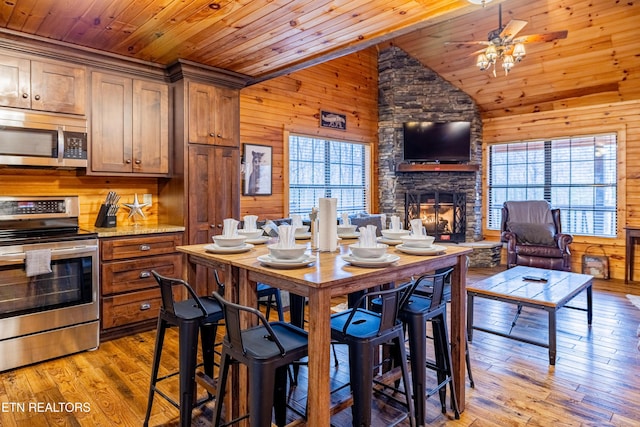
(145, 274)
(145, 247)
(145, 306)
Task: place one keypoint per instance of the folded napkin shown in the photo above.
(345, 219)
(367, 237)
(383, 221)
(287, 238)
(296, 220)
(37, 262)
(250, 222)
(395, 223)
(417, 229)
(230, 227)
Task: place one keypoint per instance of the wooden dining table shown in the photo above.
(328, 276)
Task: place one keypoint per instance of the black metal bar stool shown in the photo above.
(190, 316)
(266, 350)
(264, 291)
(426, 289)
(364, 331)
(415, 314)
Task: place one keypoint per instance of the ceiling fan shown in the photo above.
(503, 44)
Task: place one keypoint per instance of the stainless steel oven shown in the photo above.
(49, 285)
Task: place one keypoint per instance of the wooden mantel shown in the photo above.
(436, 167)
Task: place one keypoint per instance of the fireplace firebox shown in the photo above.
(443, 214)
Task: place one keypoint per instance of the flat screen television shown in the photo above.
(448, 142)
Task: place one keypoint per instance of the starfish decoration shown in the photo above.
(135, 208)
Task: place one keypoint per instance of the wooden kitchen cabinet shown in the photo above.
(130, 296)
(129, 126)
(213, 194)
(213, 115)
(42, 85)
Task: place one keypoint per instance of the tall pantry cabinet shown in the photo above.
(205, 186)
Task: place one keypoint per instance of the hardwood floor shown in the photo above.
(595, 382)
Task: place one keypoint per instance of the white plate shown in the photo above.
(432, 250)
(227, 249)
(260, 240)
(349, 235)
(303, 236)
(286, 263)
(377, 262)
(389, 242)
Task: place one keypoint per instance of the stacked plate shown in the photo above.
(228, 244)
(286, 257)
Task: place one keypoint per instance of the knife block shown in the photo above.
(103, 220)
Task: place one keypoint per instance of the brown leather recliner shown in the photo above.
(533, 234)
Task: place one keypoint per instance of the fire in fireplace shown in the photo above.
(443, 214)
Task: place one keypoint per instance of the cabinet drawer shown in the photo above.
(137, 246)
(135, 275)
(119, 310)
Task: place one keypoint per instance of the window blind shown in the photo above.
(578, 175)
(327, 168)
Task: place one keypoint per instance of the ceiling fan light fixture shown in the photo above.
(507, 63)
(481, 2)
(482, 62)
(519, 52)
(491, 53)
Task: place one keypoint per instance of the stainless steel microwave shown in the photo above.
(43, 143)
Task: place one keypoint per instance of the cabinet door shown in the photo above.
(214, 194)
(57, 87)
(227, 117)
(150, 127)
(201, 113)
(213, 115)
(14, 84)
(111, 125)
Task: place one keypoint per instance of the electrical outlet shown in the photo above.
(147, 198)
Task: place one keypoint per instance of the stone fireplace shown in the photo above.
(443, 214)
(408, 91)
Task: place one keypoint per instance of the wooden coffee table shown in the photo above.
(519, 286)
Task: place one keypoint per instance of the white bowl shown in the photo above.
(363, 252)
(277, 252)
(301, 230)
(251, 234)
(347, 229)
(418, 241)
(394, 234)
(229, 242)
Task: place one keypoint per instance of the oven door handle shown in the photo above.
(56, 253)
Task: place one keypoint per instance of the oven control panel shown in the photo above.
(31, 207)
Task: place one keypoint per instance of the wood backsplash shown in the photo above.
(90, 190)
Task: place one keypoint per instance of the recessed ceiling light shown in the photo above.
(482, 2)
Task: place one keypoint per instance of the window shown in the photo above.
(576, 175)
(325, 168)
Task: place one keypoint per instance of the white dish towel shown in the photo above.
(37, 262)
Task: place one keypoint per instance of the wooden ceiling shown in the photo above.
(264, 39)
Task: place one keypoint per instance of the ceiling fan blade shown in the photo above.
(513, 27)
(486, 43)
(547, 37)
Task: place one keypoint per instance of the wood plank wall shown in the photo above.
(292, 104)
(620, 117)
(91, 190)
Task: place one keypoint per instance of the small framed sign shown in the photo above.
(333, 120)
(257, 170)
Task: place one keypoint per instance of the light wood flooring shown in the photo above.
(595, 382)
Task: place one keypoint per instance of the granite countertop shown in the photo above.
(130, 230)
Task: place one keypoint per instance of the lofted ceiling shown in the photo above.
(598, 62)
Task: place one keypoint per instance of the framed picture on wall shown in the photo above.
(257, 170)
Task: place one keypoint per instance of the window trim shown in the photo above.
(541, 133)
(369, 152)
